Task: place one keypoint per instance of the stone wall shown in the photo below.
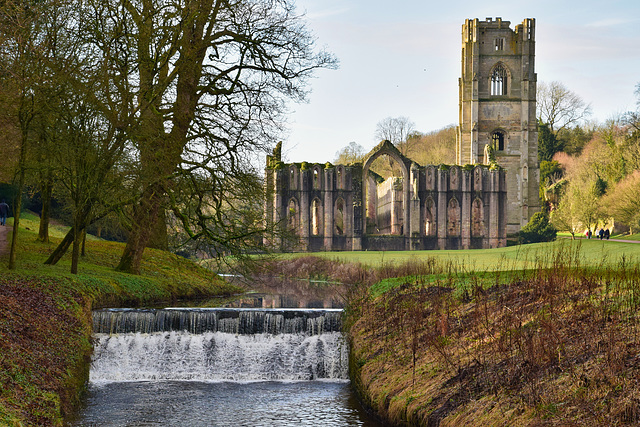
(430, 207)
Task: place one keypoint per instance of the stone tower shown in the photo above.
(497, 93)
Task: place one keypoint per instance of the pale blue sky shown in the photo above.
(402, 58)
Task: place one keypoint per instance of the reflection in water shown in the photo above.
(269, 292)
(308, 403)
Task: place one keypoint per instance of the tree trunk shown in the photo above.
(75, 253)
(61, 249)
(46, 188)
(159, 238)
(83, 253)
(145, 216)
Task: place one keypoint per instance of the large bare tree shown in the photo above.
(559, 107)
(198, 86)
(396, 130)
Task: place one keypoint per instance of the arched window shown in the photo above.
(316, 217)
(499, 80)
(453, 218)
(293, 184)
(497, 140)
(292, 215)
(429, 218)
(339, 217)
(477, 218)
(316, 179)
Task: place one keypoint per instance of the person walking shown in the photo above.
(4, 212)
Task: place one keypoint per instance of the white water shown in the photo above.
(217, 356)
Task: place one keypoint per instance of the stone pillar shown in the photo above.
(328, 208)
(415, 214)
(442, 187)
(494, 208)
(465, 225)
(279, 213)
(305, 187)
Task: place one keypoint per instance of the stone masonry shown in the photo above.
(348, 207)
(492, 191)
(497, 93)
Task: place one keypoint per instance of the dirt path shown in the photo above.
(4, 244)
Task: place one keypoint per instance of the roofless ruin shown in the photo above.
(492, 191)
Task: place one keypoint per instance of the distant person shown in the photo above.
(607, 233)
(589, 234)
(601, 233)
(4, 212)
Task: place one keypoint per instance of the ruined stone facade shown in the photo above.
(349, 207)
(492, 191)
(497, 93)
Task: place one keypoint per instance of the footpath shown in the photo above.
(4, 244)
(603, 240)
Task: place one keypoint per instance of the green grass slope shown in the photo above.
(45, 318)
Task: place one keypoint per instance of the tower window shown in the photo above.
(499, 80)
(499, 45)
(497, 141)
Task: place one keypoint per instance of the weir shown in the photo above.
(218, 345)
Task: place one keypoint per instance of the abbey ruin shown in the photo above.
(491, 191)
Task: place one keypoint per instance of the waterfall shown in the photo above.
(218, 345)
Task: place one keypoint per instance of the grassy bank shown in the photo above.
(555, 344)
(45, 318)
(592, 252)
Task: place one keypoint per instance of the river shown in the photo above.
(253, 363)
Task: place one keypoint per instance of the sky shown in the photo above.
(402, 58)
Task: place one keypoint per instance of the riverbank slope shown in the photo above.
(554, 345)
(45, 319)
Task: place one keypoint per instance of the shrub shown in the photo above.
(538, 229)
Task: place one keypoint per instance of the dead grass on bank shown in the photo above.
(334, 270)
(558, 346)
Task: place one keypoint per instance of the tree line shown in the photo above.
(149, 112)
(589, 172)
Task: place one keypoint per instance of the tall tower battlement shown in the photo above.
(497, 108)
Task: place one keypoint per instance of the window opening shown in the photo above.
(497, 141)
(315, 217)
(292, 179)
(477, 215)
(292, 215)
(339, 217)
(316, 180)
(429, 223)
(453, 218)
(499, 44)
(499, 81)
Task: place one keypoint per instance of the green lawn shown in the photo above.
(589, 252)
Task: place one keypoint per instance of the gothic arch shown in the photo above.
(498, 139)
(386, 147)
(477, 218)
(293, 177)
(340, 178)
(316, 178)
(499, 79)
(430, 225)
(339, 220)
(317, 217)
(293, 214)
(453, 218)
